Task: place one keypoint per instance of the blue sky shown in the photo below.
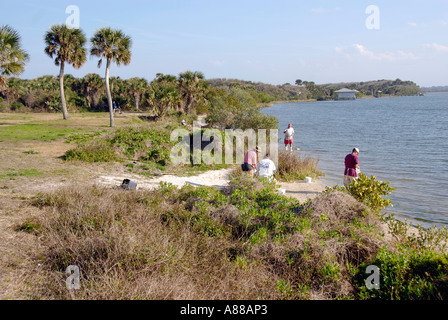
(269, 41)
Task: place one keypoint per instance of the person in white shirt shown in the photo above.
(289, 133)
(266, 168)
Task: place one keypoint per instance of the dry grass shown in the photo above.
(245, 243)
(292, 167)
(127, 247)
(149, 245)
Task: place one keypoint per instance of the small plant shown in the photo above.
(284, 288)
(95, 151)
(82, 138)
(292, 167)
(407, 275)
(371, 192)
(368, 191)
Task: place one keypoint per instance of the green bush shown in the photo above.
(97, 151)
(144, 144)
(407, 275)
(16, 106)
(368, 191)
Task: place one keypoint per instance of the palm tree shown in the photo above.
(192, 88)
(66, 45)
(114, 46)
(12, 56)
(91, 86)
(162, 96)
(137, 87)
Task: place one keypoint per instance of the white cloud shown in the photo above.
(412, 24)
(437, 47)
(389, 56)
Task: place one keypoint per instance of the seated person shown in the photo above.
(116, 107)
(266, 168)
(184, 123)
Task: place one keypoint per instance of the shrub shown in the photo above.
(408, 275)
(135, 142)
(141, 143)
(369, 191)
(16, 106)
(291, 167)
(95, 151)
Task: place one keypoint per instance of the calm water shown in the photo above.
(402, 140)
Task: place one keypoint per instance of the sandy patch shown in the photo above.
(214, 178)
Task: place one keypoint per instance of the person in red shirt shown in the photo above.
(351, 166)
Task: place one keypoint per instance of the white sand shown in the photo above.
(214, 178)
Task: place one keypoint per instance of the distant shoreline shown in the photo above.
(271, 104)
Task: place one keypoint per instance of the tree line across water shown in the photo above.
(187, 93)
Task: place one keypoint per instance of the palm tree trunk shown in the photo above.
(61, 89)
(109, 96)
(137, 101)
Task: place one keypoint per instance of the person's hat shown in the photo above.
(356, 149)
(257, 148)
(290, 124)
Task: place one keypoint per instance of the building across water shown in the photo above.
(346, 94)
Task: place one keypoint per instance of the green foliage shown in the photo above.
(238, 110)
(13, 56)
(146, 144)
(407, 275)
(11, 174)
(135, 142)
(82, 138)
(96, 151)
(16, 106)
(368, 191)
(301, 251)
(40, 132)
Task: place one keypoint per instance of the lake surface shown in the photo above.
(402, 140)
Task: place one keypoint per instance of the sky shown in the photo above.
(275, 41)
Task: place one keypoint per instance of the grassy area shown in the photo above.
(39, 132)
(242, 242)
(11, 174)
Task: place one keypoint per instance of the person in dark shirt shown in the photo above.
(351, 166)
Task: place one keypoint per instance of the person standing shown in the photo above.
(289, 133)
(266, 168)
(351, 167)
(250, 161)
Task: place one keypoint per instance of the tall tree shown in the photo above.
(137, 87)
(65, 45)
(163, 96)
(192, 88)
(114, 46)
(12, 57)
(91, 87)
